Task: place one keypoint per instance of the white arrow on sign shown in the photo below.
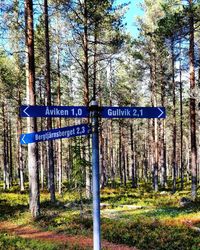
(23, 139)
(161, 113)
(25, 111)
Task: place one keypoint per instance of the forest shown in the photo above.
(68, 54)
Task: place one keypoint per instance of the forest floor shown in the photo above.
(130, 219)
(78, 241)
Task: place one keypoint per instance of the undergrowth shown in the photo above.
(135, 217)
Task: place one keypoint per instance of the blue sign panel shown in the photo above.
(54, 111)
(133, 112)
(54, 134)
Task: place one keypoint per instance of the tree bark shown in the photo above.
(48, 92)
(31, 122)
(155, 126)
(86, 89)
(163, 160)
(120, 154)
(134, 182)
(59, 143)
(181, 123)
(192, 106)
(6, 174)
(174, 156)
(20, 152)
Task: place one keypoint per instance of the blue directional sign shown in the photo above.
(54, 111)
(54, 134)
(133, 112)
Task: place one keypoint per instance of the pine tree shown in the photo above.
(34, 197)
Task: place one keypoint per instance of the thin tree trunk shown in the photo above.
(48, 92)
(174, 156)
(20, 154)
(155, 127)
(192, 106)
(120, 154)
(155, 166)
(6, 174)
(41, 149)
(145, 159)
(59, 143)
(111, 150)
(10, 154)
(102, 160)
(181, 123)
(86, 90)
(162, 134)
(124, 165)
(134, 183)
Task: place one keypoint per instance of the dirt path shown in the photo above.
(29, 232)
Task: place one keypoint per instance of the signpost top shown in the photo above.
(84, 112)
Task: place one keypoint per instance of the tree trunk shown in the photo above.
(11, 167)
(86, 90)
(124, 165)
(31, 122)
(155, 127)
(174, 157)
(42, 146)
(192, 106)
(181, 123)
(110, 128)
(48, 93)
(102, 160)
(59, 143)
(163, 160)
(145, 159)
(120, 154)
(6, 174)
(20, 154)
(134, 182)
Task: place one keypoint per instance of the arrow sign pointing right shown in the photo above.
(133, 112)
(161, 113)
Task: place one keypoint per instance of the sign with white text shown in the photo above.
(54, 134)
(133, 112)
(54, 111)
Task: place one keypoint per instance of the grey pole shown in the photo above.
(95, 177)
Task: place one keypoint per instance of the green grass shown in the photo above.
(140, 218)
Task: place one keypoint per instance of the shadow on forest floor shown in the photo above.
(7, 210)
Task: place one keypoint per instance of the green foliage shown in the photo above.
(7, 74)
(145, 235)
(12, 205)
(79, 165)
(17, 243)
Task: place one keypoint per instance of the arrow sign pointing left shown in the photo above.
(54, 111)
(54, 134)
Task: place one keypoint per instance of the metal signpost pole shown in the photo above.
(95, 177)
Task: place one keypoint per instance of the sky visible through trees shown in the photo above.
(134, 10)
